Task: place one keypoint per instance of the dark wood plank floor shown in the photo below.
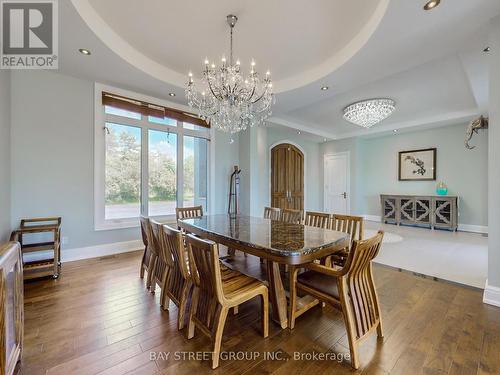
(99, 319)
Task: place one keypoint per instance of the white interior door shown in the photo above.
(336, 187)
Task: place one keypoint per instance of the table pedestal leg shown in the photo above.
(277, 294)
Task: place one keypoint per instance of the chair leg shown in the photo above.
(235, 310)
(151, 271)
(192, 312)
(221, 321)
(143, 261)
(293, 297)
(164, 300)
(380, 330)
(182, 305)
(265, 313)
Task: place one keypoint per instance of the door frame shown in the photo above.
(269, 156)
(348, 178)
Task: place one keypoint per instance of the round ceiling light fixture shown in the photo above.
(369, 112)
(84, 51)
(431, 4)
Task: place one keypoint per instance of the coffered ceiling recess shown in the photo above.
(299, 41)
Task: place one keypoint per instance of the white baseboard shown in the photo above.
(69, 255)
(372, 218)
(473, 228)
(491, 295)
(461, 227)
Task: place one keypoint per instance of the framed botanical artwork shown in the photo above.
(417, 165)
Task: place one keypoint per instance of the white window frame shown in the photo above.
(100, 118)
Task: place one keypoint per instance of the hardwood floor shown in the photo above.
(98, 318)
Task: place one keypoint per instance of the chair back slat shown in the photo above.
(360, 284)
(146, 223)
(144, 229)
(317, 219)
(291, 216)
(179, 272)
(164, 261)
(272, 213)
(348, 224)
(205, 273)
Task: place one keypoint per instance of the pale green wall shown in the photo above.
(52, 156)
(5, 180)
(374, 169)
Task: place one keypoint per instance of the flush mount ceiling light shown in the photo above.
(369, 112)
(431, 4)
(84, 51)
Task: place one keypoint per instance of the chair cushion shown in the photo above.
(319, 281)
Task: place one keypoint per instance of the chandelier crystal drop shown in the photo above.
(227, 99)
(369, 112)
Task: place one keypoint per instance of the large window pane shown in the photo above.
(162, 173)
(123, 172)
(195, 172)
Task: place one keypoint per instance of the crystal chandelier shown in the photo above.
(228, 100)
(369, 112)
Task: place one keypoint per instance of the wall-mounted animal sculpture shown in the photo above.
(479, 123)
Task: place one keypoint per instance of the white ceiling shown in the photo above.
(430, 63)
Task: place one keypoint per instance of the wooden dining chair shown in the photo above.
(351, 288)
(317, 219)
(215, 293)
(146, 255)
(348, 224)
(188, 212)
(291, 216)
(178, 283)
(272, 213)
(150, 254)
(163, 259)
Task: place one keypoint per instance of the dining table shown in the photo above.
(275, 241)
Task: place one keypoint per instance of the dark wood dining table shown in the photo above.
(275, 241)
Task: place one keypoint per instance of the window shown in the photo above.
(149, 160)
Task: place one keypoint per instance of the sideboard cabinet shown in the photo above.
(430, 211)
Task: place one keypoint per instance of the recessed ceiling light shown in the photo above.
(487, 49)
(431, 4)
(298, 132)
(324, 88)
(84, 51)
(171, 94)
(395, 130)
(324, 139)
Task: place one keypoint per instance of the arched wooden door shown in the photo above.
(287, 177)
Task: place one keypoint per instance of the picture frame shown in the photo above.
(417, 165)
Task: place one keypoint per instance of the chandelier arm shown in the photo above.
(261, 96)
(212, 91)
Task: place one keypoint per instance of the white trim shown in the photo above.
(491, 295)
(473, 228)
(372, 218)
(269, 155)
(348, 178)
(461, 227)
(70, 255)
